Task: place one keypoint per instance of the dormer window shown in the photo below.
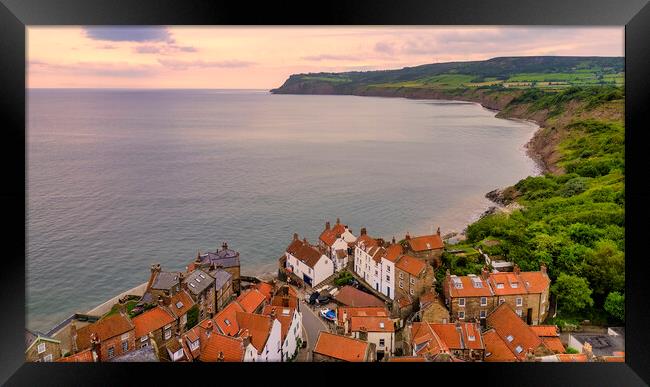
(510, 338)
(518, 349)
(499, 286)
(227, 322)
(514, 285)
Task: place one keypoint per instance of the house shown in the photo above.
(252, 301)
(158, 324)
(378, 330)
(496, 349)
(351, 296)
(290, 328)
(266, 288)
(550, 335)
(468, 297)
(462, 341)
(432, 308)
(344, 313)
(223, 288)
(109, 337)
(527, 292)
(336, 242)
(392, 254)
(413, 276)
(264, 333)
(307, 262)
(180, 304)
(200, 285)
(205, 344)
(226, 319)
(367, 259)
(331, 347)
(519, 338)
(474, 297)
(162, 284)
(226, 259)
(427, 247)
(286, 296)
(39, 347)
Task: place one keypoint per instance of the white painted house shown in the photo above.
(291, 327)
(376, 265)
(377, 330)
(307, 262)
(337, 243)
(262, 332)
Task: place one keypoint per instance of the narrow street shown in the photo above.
(313, 324)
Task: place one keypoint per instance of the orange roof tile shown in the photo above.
(426, 341)
(266, 289)
(513, 331)
(468, 287)
(535, 281)
(81, 357)
(185, 300)
(506, 284)
(152, 320)
(411, 265)
(393, 252)
(554, 344)
(496, 349)
(111, 326)
(304, 252)
(545, 330)
(347, 312)
(458, 337)
(366, 240)
(226, 319)
(258, 327)
(614, 359)
(330, 236)
(371, 324)
(426, 242)
(341, 347)
(232, 348)
(251, 300)
(407, 359)
(404, 301)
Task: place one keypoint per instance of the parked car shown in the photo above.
(313, 297)
(324, 298)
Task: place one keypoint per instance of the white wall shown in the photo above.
(295, 332)
(388, 269)
(323, 268)
(250, 354)
(374, 337)
(271, 351)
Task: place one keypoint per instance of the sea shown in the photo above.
(119, 179)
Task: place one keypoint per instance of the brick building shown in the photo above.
(39, 347)
(335, 348)
(109, 337)
(427, 247)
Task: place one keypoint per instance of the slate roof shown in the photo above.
(220, 278)
(224, 257)
(165, 280)
(197, 281)
(144, 354)
(32, 336)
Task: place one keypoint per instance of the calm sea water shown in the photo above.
(120, 179)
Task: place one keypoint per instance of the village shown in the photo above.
(345, 297)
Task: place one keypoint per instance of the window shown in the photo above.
(168, 334)
(501, 301)
(461, 314)
(514, 285)
(461, 302)
(382, 342)
(194, 345)
(41, 348)
(412, 281)
(499, 286)
(509, 338)
(125, 346)
(411, 291)
(387, 278)
(143, 339)
(376, 273)
(111, 352)
(401, 275)
(401, 284)
(519, 312)
(388, 269)
(48, 358)
(519, 301)
(519, 349)
(483, 301)
(482, 314)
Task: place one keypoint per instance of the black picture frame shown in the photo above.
(16, 15)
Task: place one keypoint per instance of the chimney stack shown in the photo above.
(246, 338)
(208, 328)
(438, 231)
(295, 236)
(272, 315)
(304, 240)
(363, 231)
(327, 225)
(542, 268)
(338, 221)
(224, 246)
(94, 341)
(393, 240)
(516, 269)
(220, 358)
(484, 273)
(407, 237)
(73, 337)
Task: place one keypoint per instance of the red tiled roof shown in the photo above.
(554, 344)
(226, 319)
(341, 347)
(258, 327)
(467, 289)
(407, 359)
(266, 289)
(404, 301)
(377, 311)
(367, 241)
(496, 349)
(458, 337)
(426, 341)
(393, 252)
(510, 282)
(371, 324)
(251, 300)
(411, 265)
(507, 324)
(284, 315)
(81, 357)
(185, 300)
(329, 236)
(614, 359)
(231, 347)
(426, 242)
(111, 326)
(535, 281)
(351, 296)
(152, 320)
(545, 330)
(304, 252)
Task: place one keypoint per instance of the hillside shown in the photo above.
(572, 218)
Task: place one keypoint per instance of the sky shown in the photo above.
(264, 57)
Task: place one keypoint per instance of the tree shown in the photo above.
(192, 317)
(604, 267)
(573, 293)
(615, 305)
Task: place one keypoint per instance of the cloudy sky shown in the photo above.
(263, 57)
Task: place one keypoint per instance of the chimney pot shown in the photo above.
(408, 236)
(338, 221)
(327, 225)
(542, 268)
(363, 231)
(225, 246)
(438, 231)
(516, 269)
